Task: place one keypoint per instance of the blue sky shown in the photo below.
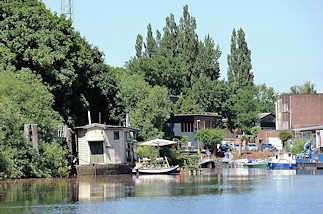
(285, 37)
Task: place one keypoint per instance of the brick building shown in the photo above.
(302, 114)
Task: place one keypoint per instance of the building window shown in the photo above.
(186, 127)
(116, 135)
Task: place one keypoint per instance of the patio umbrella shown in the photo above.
(158, 142)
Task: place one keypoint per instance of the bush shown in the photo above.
(146, 152)
(297, 147)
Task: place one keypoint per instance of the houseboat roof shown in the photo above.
(106, 127)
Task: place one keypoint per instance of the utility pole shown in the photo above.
(67, 8)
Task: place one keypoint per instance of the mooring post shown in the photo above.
(34, 137)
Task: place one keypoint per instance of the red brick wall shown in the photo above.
(264, 134)
(307, 110)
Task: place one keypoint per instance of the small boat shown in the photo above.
(161, 170)
(256, 164)
(282, 161)
(207, 163)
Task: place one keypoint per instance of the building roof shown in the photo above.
(103, 126)
(319, 127)
(263, 115)
(208, 114)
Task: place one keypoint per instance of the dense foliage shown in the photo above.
(297, 147)
(49, 74)
(307, 88)
(25, 100)
(284, 136)
(239, 61)
(32, 38)
(175, 58)
(210, 137)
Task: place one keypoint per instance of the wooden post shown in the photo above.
(34, 137)
(27, 132)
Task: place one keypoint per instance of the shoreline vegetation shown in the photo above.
(50, 75)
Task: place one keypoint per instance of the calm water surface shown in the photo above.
(215, 191)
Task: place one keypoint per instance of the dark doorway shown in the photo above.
(96, 148)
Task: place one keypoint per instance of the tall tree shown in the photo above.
(245, 109)
(151, 113)
(33, 38)
(139, 43)
(176, 58)
(150, 42)
(207, 60)
(239, 61)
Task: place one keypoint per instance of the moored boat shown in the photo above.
(282, 161)
(257, 164)
(158, 170)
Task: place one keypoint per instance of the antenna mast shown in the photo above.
(67, 8)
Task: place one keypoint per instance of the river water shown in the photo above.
(215, 191)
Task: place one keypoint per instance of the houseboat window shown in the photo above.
(116, 135)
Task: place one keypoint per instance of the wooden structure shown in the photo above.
(105, 144)
(180, 125)
(31, 134)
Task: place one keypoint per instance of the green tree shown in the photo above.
(33, 38)
(210, 137)
(245, 109)
(297, 147)
(146, 152)
(307, 88)
(139, 43)
(151, 113)
(25, 100)
(239, 61)
(266, 99)
(254, 133)
(207, 59)
(150, 42)
(176, 58)
(186, 106)
(214, 96)
(284, 136)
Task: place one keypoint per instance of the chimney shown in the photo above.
(89, 117)
(127, 120)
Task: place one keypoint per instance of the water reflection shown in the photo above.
(81, 194)
(105, 187)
